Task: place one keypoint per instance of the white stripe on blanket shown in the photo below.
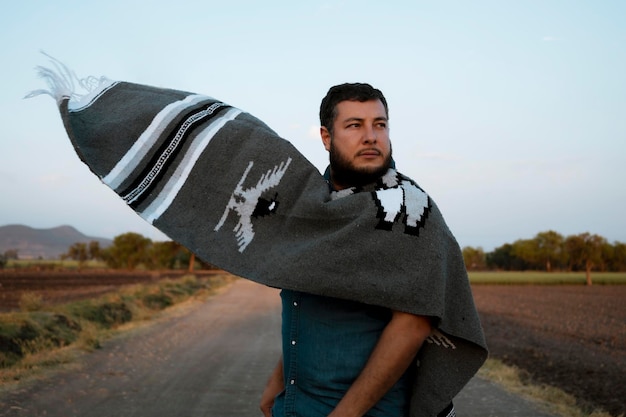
(169, 151)
(148, 138)
(162, 202)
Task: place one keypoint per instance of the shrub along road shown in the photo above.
(208, 359)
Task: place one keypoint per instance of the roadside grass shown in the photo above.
(552, 399)
(41, 336)
(53, 264)
(545, 278)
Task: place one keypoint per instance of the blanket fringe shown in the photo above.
(64, 84)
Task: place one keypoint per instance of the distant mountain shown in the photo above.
(43, 243)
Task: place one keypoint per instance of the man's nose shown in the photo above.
(370, 136)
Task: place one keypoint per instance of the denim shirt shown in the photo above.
(326, 344)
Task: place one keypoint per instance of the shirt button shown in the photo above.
(295, 304)
(293, 381)
(293, 342)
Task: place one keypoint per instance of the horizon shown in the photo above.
(510, 116)
(486, 250)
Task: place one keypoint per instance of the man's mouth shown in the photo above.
(369, 152)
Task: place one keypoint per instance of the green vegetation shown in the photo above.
(28, 337)
(549, 251)
(134, 251)
(82, 252)
(545, 278)
(54, 264)
(129, 251)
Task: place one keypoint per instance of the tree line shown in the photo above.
(550, 251)
(7, 256)
(547, 251)
(132, 250)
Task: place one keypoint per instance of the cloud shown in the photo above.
(550, 39)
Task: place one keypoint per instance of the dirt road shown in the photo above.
(212, 360)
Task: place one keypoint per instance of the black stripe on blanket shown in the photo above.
(145, 180)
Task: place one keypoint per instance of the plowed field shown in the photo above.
(571, 337)
(61, 286)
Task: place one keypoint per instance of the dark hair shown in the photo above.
(351, 92)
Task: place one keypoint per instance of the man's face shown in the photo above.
(359, 147)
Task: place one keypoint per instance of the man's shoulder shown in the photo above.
(404, 180)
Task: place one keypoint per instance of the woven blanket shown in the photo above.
(223, 184)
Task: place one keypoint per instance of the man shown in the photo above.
(343, 358)
(268, 217)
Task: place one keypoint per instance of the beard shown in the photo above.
(345, 173)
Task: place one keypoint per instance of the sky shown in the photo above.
(511, 115)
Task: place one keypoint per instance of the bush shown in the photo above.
(25, 335)
(106, 314)
(10, 350)
(30, 301)
(184, 287)
(157, 301)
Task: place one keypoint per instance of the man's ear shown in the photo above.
(325, 134)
